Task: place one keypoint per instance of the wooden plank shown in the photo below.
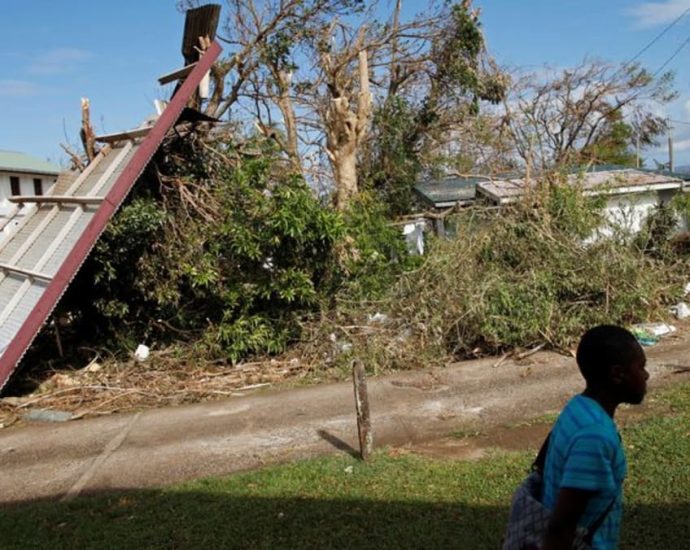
(129, 134)
(366, 438)
(26, 272)
(201, 21)
(178, 74)
(56, 199)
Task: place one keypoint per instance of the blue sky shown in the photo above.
(54, 52)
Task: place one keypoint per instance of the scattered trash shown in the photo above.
(414, 237)
(47, 415)
(281, 515)
(377, 318)
(655, 329)
(94, 367)
(12, 401)
(349, 469)
(681, 310)
(687, 289)
(648, 334)
(142, 353)
(345, 347)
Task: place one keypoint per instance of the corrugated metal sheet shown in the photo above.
(42, 256)
(593, 183)
(448, 191)
(12, 161)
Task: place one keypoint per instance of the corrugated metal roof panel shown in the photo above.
(448, 190)
(13, 161)
(592, 182)
(55, 240)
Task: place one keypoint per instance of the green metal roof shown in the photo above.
(447, 191)
(12, 161)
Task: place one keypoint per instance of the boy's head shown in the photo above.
(611, 358)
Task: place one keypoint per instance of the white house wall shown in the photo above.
(629, 212)
(26, 187)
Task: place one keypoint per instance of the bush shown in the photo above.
(526, 276)
(230, 255)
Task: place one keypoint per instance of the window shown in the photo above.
(14, 186)
(38, 186)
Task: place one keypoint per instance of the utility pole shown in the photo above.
(671, 165)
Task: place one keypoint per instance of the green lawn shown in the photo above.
(398, 501)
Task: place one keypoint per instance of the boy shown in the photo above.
(585, 463)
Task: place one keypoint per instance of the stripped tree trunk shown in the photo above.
(88, 137)
(346, 130)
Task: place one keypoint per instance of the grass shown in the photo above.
(400, 500)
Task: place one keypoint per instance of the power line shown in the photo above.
(657, 38)
(673, 56)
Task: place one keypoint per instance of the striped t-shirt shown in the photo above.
(585, 452)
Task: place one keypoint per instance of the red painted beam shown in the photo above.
(39, 315)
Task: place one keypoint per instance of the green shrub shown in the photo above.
(528, 275)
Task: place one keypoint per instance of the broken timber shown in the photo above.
(131, 134)
(176, 75)
(366, 439)
(43, 254)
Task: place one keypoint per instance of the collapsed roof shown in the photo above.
(41, 257)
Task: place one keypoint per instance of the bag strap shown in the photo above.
(538, 464)
(595, 526)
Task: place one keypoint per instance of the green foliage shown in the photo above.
(374, 253)
(407, 124)
(231, 257)
(613, 145)
(396, 165)
(529, 275)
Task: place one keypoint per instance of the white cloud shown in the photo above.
(682, 145)
(18, 88)
(58, 61)
(652, 14)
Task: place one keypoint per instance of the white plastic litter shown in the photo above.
(377, 318)
(655, 329)
(682, 310)
(142, 353)
(414, 237)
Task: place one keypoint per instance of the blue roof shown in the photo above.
(448, 191)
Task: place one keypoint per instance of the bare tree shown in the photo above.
(558, 117)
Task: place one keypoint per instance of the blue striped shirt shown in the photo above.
(585, 452)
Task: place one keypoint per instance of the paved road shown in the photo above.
(162, 446)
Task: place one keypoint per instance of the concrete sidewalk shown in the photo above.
(162, 446)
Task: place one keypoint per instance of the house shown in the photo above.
(439, 195)
(631, 194)
(22, 174)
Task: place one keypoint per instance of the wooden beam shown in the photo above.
(366, 438)
(179, 74)
(199, 22)
(25, 272)
(130, 134)
(56, 199)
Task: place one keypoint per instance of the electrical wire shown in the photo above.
(657, 38)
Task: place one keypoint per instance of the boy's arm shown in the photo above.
(570, 505)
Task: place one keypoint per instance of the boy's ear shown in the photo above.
(617, 373)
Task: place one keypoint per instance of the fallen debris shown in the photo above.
(47, 415)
